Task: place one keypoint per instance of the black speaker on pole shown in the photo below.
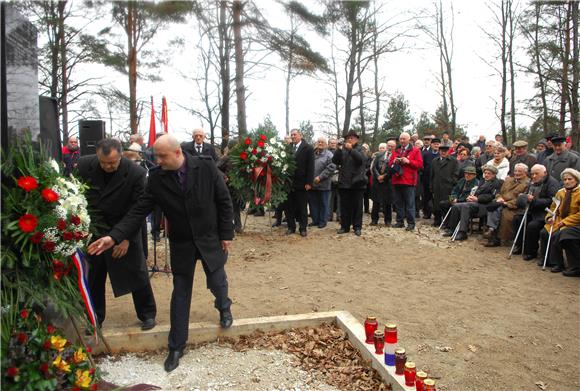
(90, 133)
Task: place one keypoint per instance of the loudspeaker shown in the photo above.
(49, 133)
(90, 133)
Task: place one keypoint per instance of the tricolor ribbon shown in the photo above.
(78, 258)
(257, 172)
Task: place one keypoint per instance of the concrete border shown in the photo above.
(132, 339)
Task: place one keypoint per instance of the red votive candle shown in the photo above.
(419, 381)
(400, 360)
(410, 372)
(391, 333)
(429, 385)
(371, 326)
(379, 340)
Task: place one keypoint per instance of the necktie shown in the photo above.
(199, 149)
(295, 148)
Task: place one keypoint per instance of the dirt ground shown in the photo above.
(466, 314)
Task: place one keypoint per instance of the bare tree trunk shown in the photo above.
(361, 94)
(64, 71)
(132, 63)
(224, 58)
(376, 90)
(289, 74)
(512, 73)
(335, 85)
(574, 109)
(239, 54)
(447, 56)
(565, 61)
(503, 70)
(541, 79)
(351, 68)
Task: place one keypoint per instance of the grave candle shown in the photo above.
(400, 360)
(419, 381)
(379, 340)
(371, 326)
(429, 385)
(390, 343)
(410, 372)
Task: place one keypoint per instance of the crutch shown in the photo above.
(522, 225)
(455, 232)
(557, 204)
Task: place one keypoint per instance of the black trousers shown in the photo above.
(279, 211)
(386, 209)
(460, 214)
(427, 201)
(143, 299)
(217, 283)
(533, 229)
(297, 210)
(351, 208)
(563, 240)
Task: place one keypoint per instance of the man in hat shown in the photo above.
(538, 196)
(548, 150)
(428, 156)
(561, 158)
(442, 179)
(521, 155)
(461, 190)
(352, 182)
(474, 204)
(426, 142)
(540, 147)
(406, 161)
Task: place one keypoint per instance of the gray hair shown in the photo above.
(539, 167)
(522, 166)
(382, 145)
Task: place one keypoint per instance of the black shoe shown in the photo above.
(239, 230)
(426, 217)
(156, 236)
(448, 233)
(357, 232)
(528, 257)
(387, 224)
(276, 224)
(148, 324)
(374, 223)
(322, 225)
(226, 319)
(492, 243)
(517, 250)
(399, 225)
(259, 213)
(557, 269)
(290, 232)
(436, 223)
(342, 231)
(461, 236)
(571, 273)
(313, 224)
(410, 227)
(303, 234)
(172, 360)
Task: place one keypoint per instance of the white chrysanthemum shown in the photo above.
(284, 167)
(283, 154)
(269, 149)
(273, 140)
(264, 159)
(54, 165)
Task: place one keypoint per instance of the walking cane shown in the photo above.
(557, 204)
(455, 232)
(445, 218)
(522, 225)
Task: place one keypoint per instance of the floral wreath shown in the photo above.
(262, 169)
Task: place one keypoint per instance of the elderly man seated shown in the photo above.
(565, 227)
(462, 189)
(501, 212)
(474, 204)
(539, 196)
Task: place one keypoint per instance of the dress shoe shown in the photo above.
(373, 223)
(259, 213)
(276, 224)
(489, 233)
(399, 225)
(517, 250)
(557, 269)
(571, 273)
(461, 236)
(289, 232)
(492, 243)
(303, 234)
(342, 231)
(226, 319)
(172, 360)
(322, 225)
(448, 233)
(357, 232)
(313, 224)
(528, 257)
(410, 227)
(436, 223)
(148, 324)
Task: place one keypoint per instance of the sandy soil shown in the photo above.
(466, 314)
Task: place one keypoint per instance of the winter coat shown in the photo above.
(503, 168)
(382, 191)
(555, 164)
(462, 189)
(573, 218)
(443, 178)
(323, 168)
(528, 159)
(409, 172)
(543, 193)
(352, 167)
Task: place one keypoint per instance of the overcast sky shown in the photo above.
(413, 72)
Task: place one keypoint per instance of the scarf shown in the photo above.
(565, 209)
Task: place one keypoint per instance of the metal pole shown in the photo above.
(445, 218)
(548, 245)
(518, 233)
(455, 232)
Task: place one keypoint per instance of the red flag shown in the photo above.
(152, 125)
(164, 119)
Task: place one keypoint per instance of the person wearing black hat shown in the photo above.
(442, 179)
(352, 181)
(428, 156)
(548, 150)
(561, 158)
(464, 188)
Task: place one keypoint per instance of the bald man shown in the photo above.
(196, 201)
(198, 147)
(70, 155)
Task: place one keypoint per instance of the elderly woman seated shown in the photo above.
(564, 226)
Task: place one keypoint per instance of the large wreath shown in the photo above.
(262, 169)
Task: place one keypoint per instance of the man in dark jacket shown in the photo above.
(198, 147)
(70, 155)
(521, 155)
(561, 159)
(297, 203)
(382, 192)
(428, 156)
(442, 180)
(538, 196)
(195, 199)
(115, 185)
(352, 182)
(319, 195)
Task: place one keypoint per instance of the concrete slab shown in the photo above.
(132, 339)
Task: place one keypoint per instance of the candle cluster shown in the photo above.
(385, 343)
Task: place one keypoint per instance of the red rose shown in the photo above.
(270, 158)
(75, 388)
(46, 345)
(247, 141)
(57, 275)
(244, 155)
(68, 235)
(68, 270)
(37, 237)
(57, 264)
(12, 372)
(22, 338)
(76, 220)
(24, 314)
(27, 183)
(89, 349)
(78, 235)
(49, 195)
(254, 151)
(50, 329)
(27, 223)
(61, 224)
(92, 370)
(44, 368)
(263, 137)
(261, 144)
(49, 246)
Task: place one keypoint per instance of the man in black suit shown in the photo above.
(297, 205)
(115, 185)
(198, 147)
(196, 202)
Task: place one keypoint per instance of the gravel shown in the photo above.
(213, 368)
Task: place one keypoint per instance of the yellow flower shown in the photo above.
(59, 363)
(79, 356)
(57, 342)
(83, 379)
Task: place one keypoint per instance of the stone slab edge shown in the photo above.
(133, 339)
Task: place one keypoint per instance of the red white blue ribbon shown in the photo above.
(78, 258)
